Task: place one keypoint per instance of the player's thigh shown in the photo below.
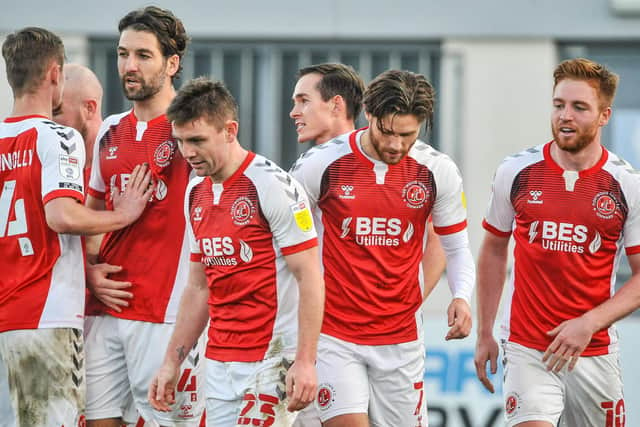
(145, 344)
(308, 417)
(594, 396)
(42, 377)
(107, 379)
(396, 374)
(343, 384)
(531, 393)
(264, 401)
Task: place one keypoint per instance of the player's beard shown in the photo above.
(148, 88)
(385, 155)
(581, 139)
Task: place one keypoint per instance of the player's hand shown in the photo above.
(459, 318)
(571, 338)
(132, 201)
(301, 382)
(162, 389)
(111, 293)
(486, 351)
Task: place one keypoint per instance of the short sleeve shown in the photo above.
(62, 156)
(450, 208)
(500, 212)
(287, 209)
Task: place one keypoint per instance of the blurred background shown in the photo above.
(490, 61)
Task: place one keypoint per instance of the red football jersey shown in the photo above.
(153, 251)
(42, 285)
(372, 219)
(240, 229)
(569, 228)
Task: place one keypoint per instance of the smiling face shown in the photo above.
(392, 145)
(577, 115)
(313, 117)
(143, 70)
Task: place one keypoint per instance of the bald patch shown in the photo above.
(82, 82)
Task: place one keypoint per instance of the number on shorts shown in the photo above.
(267, 403)
(615, 415)
(187, 381)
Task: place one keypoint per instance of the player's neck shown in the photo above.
(155, 106)
(92, 134)
(236, 158)
(31, 104)
(584, 159)
(340, 129)
(365, 143)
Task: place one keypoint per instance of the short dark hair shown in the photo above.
(400, 92)
(203, 97)
(27, 54)
(338, 79)
(605, 81)
(167, 28)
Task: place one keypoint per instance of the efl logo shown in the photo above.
(605, 205)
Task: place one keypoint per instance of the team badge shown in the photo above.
(511, 404)
(326, 396)
(164, 153)
(69, 167)
(242, 211)
(605, 205)
(415, 194)
(302, 215)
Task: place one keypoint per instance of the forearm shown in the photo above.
(193, 315)
(66, 215)
(433, 262)
(491, 275)
(623, 303)
(310, 312)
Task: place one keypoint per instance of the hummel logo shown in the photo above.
(347, 190)
(535, 197)
(112, 153)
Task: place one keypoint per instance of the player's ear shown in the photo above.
(91, 107)
(231, 128)
(55, 75)
(339, 106)
(173, 65)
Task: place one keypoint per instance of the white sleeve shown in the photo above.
(450, 208)
(194, 247)
(309, 175)
(461, 271)
(96, 182)
(61, 153)
(500, 213)
(286, 207)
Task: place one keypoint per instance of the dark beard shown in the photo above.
(147, 90)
